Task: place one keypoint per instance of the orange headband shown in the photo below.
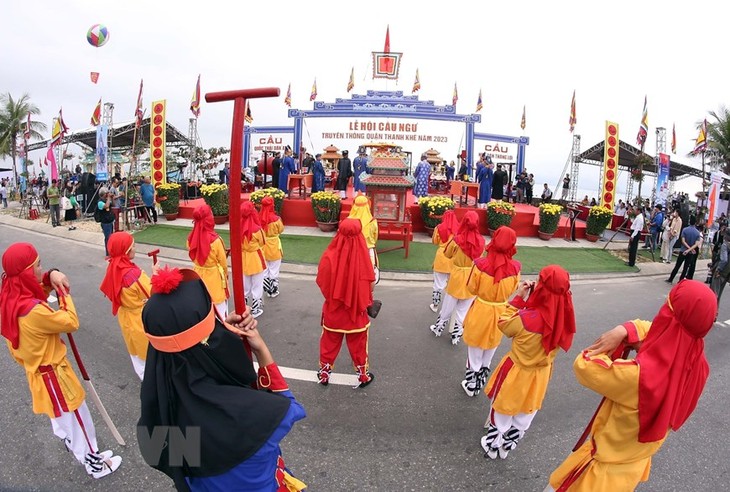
(185, 339)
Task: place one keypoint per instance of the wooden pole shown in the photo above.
(239, 99)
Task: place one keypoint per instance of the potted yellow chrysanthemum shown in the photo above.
(216, 195)
(549, 219)
(432, 210)
(326, 206)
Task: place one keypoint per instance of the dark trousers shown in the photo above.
(688, 270)
(56, 215)
(152, 213)
(633, 246)
(107, 228)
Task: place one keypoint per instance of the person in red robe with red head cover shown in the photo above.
(128, 288)
(539, 324)
(493, 279)
(442, 234)
(208, 253)
(346, 278)
(644, 397)
(466, 246)
(33, 331)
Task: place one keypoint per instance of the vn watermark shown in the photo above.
(168, 446)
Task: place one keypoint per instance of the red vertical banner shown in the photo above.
(610, 165)
(158, 130)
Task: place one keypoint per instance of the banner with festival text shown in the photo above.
(102, 153)
(610, 165)
(662, 179)
(158, 130)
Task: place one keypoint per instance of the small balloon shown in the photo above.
(97, 35)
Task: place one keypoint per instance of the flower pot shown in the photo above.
(545, 236)
(592, 238)
(429, 230)
(220, 219)
(171, 216)
(327, 226)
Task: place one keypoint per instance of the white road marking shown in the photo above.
(311, 376)
(726, 322)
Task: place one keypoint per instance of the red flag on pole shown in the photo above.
(674, 140)
(573, 118)
(94, 77)
(313, 94)
(386, 49)
(96, 117)
(195, 101)
(287, 98)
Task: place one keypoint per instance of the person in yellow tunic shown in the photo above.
(644, 397)
(273, 252)
(208, 253)
(128, 288)
(442, 234)
(466, 246)
(492, 280)
(361, 211)
(253, 241)
(33, 331)
(538, 323)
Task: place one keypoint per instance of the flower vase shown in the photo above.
(327, 226)
(545, 236)
(172, 216)
(592, 238)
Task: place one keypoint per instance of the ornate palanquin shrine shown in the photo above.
(386, 187)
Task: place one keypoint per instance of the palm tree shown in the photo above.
(13, 121)
(718, 136)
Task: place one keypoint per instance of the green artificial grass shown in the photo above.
(308, 250)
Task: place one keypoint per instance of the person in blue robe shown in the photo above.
(421, 173)
(318, 172)
(287, 166)
(484, 178)
(361, 166)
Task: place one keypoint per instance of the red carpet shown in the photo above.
(298, 212)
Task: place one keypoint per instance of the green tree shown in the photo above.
(718, 136)
(13, 122)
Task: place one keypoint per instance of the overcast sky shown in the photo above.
(531, 53)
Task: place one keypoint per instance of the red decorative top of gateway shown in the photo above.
(388, 181)
(392, 163)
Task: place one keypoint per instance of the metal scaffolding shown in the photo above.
(575, 168)
(661, 148)
(194, 147)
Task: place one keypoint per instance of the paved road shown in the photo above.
(412, 429)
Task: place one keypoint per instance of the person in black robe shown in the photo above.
(200, 383)
(498, 180)
(344, 173)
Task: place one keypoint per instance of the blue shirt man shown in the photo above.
(147, 193)
(421, 173)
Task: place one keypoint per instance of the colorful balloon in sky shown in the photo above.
(97, 35)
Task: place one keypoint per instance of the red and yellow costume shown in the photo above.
(33, 331)
(493, 279)
(645, 397)
(128, 288)
(466, 246)
(518, 385)
(345, 276)
(442, 234)
(253, 262)
(208, 254)
(273, 251)
(361, 211)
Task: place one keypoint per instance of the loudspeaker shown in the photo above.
(87, 182)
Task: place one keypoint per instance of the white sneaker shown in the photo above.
(99, 468)
(275, 293)
(502, 452)
(433, 307)
(257, 313)
(491, 453)
(436, 330)
(467, 390)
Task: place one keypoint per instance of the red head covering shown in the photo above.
(500, 250)
(672, 365)
(119, 266)
(250, 222)
(20, 290)
(202, 235)
(267, 215)
(553, 300)
(468, 237)
(345, 270)
(448, 226)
